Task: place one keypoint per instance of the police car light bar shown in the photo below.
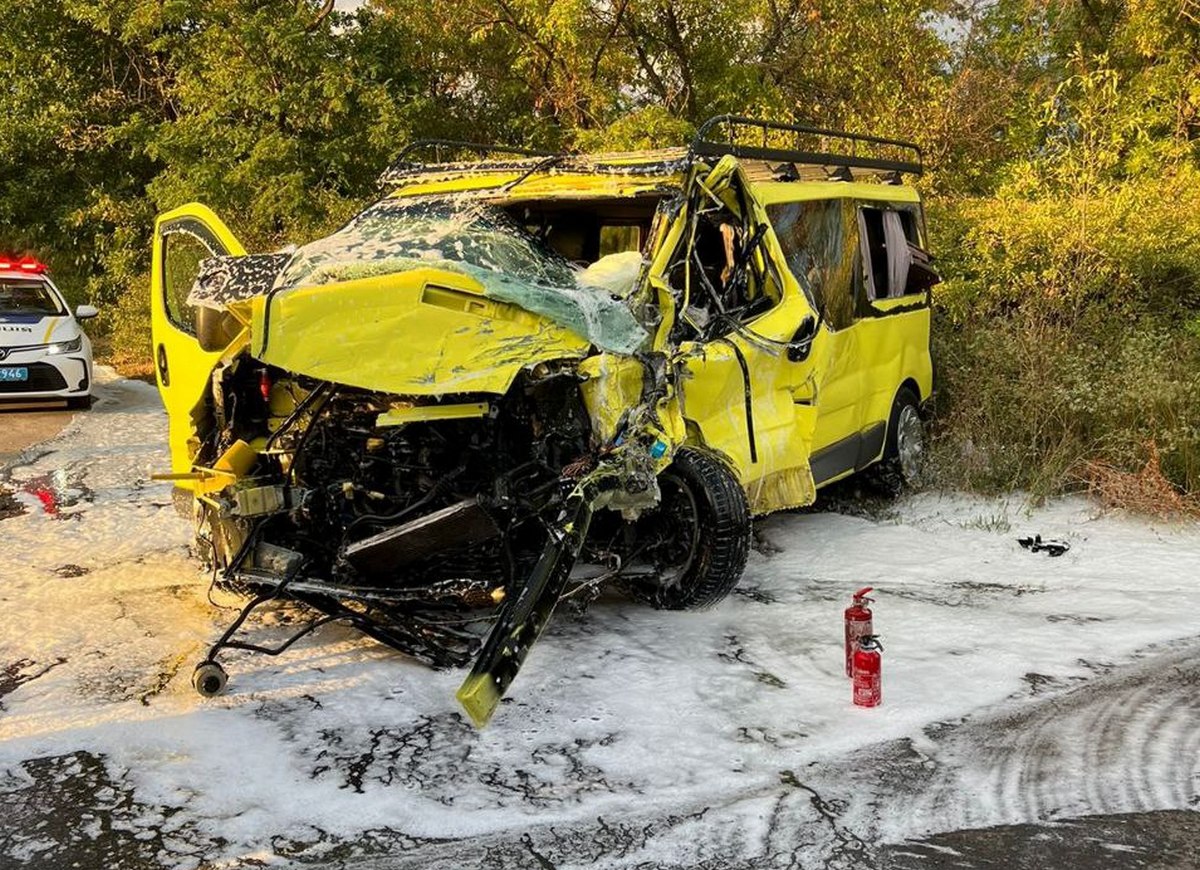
(24, 264)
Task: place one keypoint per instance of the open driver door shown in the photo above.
(182, 239)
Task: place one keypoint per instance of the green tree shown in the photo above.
(72, 173)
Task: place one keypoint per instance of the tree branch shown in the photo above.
(321, 16)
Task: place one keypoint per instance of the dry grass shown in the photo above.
(129, 364)
(1147, 491)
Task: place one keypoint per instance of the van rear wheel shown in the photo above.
(904, 451)
(697, 538)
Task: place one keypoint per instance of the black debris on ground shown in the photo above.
(9, 506)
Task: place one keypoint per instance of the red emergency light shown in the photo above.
(24, 264)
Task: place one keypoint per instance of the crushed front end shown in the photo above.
(417, 442)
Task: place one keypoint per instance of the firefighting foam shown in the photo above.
(684, 741)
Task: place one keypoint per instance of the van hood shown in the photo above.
(477, 242)
(425, 298)
(419, 332)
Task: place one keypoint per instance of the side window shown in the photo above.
(183, 249)
(729, 277)
(820, 243)
(887, 258)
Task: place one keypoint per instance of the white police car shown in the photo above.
(44, 355)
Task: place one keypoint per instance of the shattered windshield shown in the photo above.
(476, 239)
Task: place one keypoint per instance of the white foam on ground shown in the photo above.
(627, 711)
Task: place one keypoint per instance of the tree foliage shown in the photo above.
(1073, 266)
(280, 113)
(1044, 124)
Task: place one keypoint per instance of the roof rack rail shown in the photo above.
(404, 160)
(703, 145)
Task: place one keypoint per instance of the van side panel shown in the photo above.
(886, 344)
(895, 348)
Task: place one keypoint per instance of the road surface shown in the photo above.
(1038, 711)
(24, 425)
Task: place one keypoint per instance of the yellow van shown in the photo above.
(519, 377)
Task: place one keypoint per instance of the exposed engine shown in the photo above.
(346, 465)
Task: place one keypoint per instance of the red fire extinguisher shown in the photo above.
(858, 624)
(868, 672)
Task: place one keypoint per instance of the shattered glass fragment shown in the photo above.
(481, 241)
(227, 279)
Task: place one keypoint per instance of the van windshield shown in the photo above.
(435, 230)
(473, 238)
(28, 298)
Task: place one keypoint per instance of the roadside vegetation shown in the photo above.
(1062, 139)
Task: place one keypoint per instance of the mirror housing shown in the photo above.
(86, 312)
(801, 344)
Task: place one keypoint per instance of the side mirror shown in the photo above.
(86, 312)
(801, 344)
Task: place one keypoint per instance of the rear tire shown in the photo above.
(699, 535)
(904, 451)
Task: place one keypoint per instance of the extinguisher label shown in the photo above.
(868, 690)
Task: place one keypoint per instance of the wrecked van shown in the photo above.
(523, 377)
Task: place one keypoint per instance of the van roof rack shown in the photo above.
(405, 161)
(773, 145)
(774, 141)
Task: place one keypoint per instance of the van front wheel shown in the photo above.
(696, 540)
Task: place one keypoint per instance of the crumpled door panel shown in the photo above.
(740, 390)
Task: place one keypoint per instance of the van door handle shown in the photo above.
(164, 371)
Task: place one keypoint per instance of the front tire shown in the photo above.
(697, 538)
(79, 403)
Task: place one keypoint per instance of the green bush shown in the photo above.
(124, 330)
(1066, 333)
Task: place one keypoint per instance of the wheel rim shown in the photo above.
(677, 531)
(910, 442)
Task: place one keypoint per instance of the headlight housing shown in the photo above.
(72, 346)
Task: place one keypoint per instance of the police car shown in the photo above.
(44, 355)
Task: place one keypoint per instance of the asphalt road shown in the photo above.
(23, 425)
(1162, 840)
(1122, 740)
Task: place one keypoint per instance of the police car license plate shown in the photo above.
(13, 373)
